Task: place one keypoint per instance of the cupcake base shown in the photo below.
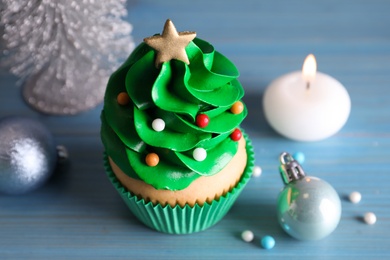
(187, 219)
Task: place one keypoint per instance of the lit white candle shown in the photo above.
(307, 105)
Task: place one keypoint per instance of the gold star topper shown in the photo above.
(171, 44)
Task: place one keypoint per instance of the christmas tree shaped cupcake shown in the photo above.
(170, 127)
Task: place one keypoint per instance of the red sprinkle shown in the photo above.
(236, 135)
(202, 120)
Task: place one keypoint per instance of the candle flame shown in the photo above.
(309, 69)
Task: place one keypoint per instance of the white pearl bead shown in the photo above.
(256, 171)
(369, 218)
(199, 154)
(247, 236)
(158, 124)
(355, 197)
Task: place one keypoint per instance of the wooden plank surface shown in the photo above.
(78, 214)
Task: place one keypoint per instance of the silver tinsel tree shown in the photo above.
(64, 51)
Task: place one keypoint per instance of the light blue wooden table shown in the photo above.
(78, 214)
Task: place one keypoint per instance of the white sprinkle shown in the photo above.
(247, 236)
(257, 171)
(158, 124)
(369, 218)
(199, 154)
(355, 197)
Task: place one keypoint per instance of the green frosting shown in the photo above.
(176, 93)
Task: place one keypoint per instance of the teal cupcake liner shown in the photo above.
(187, 219)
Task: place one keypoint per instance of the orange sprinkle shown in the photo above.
(237, 107)
(123, 99)
(152, 159)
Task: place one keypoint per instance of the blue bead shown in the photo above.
(267, 242)
(299, 157)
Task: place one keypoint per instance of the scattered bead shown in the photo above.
(370, 218)
(237, 107)
(236, 135)
(123, 99)
(158, 124)
(256, 171)
(247, 236)
(202, 120)
(267, 242)
(199, 154)
(152, 159)
(299, 157)
(355, 197)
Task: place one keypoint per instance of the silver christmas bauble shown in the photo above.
(27, 155)
(308, 207)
